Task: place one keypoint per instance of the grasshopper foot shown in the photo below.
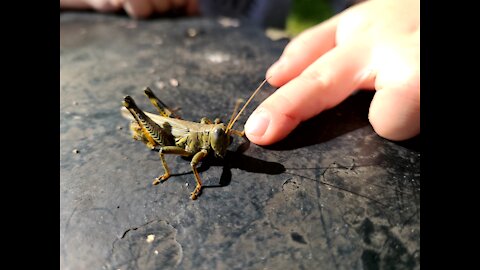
(162, 178)
(195, 193)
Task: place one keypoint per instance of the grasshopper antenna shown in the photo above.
(230, 124)
(235, 110)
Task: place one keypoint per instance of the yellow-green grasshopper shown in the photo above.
(173, 135)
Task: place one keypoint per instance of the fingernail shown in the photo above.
(258, 122)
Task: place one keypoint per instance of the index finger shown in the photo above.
(324, 84)
(302, 51)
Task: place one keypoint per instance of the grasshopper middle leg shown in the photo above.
(168, 150)
(195, 160)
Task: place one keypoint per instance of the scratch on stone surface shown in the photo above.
(127, 231)
(136, 228)
(67, 225)
(354, 193)
(409, 219)
(415, 197)
(334, 186)
(286, 181)
(340, 166)
(322, 220)
(133, 257)
(180, 248)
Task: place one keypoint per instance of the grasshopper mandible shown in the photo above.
(173, 135)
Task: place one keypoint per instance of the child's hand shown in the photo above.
(372, 45)
(134, 8)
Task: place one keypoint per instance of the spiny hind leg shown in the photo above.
(162, 109)
(195, 160)
(168, 150)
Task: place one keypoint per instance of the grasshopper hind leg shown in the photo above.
(162, 109)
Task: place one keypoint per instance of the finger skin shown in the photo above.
(178, 3)
(322, 85)
(303, 51)
(395, 109)
(99, 5)
(372, 45)
(192, 8)
(395, 113)
(138, 9)
(161, 6)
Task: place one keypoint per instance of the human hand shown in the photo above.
(134, 8)
(372, 45)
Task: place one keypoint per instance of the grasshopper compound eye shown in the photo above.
(219, 140)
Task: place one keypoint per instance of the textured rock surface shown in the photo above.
(333, 195)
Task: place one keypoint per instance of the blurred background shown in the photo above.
(306, 13)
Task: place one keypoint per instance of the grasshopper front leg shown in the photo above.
(238, 133)
(195, 160)
(168, 150)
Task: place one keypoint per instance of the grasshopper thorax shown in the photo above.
(219, 139)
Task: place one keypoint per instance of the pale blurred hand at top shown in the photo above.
(139, 9)
(372, 45)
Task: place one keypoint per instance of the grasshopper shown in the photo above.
(173, 135)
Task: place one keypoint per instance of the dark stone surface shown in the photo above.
(333, 195)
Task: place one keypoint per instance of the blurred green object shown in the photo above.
(307, 13)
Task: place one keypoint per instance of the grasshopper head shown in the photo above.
(219, 140)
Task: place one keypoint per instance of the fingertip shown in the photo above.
(138, 9)
(274, 74)
(394, 116)
(399, 134)
(268, 125)
(256, 126)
